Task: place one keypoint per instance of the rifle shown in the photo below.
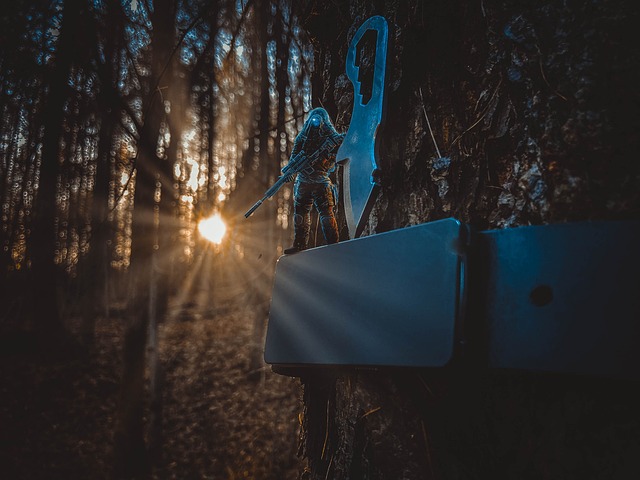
(300, 162)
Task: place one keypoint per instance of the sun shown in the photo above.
(213, 228)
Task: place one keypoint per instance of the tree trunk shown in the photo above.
(258, 298)
(98, 259)
(42, 241)
(530, 103)
(131, 456)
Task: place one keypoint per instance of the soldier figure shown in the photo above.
(313, 186)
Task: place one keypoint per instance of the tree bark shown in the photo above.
(98, 258)
(258, 299)
(530, 111)
(42, 241)
(131, 458)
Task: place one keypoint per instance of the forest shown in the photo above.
(125, 125)
(134, 295)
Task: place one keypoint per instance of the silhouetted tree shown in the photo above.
(42, 242)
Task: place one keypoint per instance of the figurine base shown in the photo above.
(389, 299)
(553, 298)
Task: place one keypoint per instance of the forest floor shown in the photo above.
(220, 420)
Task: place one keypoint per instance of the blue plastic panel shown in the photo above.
(390, 299)
(564, 298)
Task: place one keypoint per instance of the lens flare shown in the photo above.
(213, 228)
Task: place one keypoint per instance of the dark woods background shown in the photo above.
(165, 106)
(123, 124)
(131, 347)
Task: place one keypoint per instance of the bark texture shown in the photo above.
(534, 110)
